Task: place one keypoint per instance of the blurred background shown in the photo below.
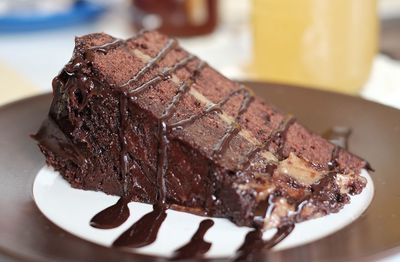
(348, 46)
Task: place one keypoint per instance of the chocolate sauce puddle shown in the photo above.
(197, 246)
(112, 216)
(254, 243)
(144, 231)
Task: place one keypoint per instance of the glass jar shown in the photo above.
(328, 44)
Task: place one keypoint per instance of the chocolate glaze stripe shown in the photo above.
(338, 136)
(123, 109)
(210, 108)
(118, 213)
(222, 145)
(165, 74)
(104, 48)
(198, 96)
(101, 220)
(333, 162)
(182, 89)
(197, 246)
(162, 158)
(244, 133)
(171, 43)
(282, 129)
(254, 242)
(162, 162)
(144, 231)
(247, 100)
(170, 108)
(283, 136)
(299, 208)
(268, 206)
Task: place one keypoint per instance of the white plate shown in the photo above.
(72, 209)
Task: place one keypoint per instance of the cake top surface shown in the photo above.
(151, 68)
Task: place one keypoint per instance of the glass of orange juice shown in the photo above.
(328, 44)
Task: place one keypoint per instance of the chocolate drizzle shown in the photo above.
(339, 136)
(104, 48)
(210, 108)
(197, 246)
(280, 132)
(171, 43)
(162, 159)
(144, 231)
(264, 210)
(162, 162)
(123, 143)
(120, 212)
(254, 242)
(107, 46)
(165, 74)
(333, 162)
(103, 219)
(222, 145)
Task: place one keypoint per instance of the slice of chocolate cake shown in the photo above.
(146, 120)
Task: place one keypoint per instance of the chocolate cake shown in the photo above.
(144, 119)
